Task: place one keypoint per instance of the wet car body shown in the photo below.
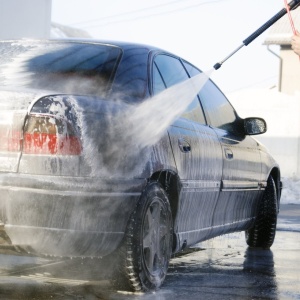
(72, 171)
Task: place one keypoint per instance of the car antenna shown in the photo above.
(292, 5)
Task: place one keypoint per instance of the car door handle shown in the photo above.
(184, 146)
(228, 153)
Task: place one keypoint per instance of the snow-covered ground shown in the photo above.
(291, 190)
(289, 216)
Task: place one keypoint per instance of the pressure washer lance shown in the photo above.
(292, 5)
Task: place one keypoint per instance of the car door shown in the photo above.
(241, 185)
(198, 157)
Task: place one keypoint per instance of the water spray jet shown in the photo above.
(291, 6)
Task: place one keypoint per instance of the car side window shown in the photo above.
(192, 71)
(220, 112)
(171, 69)
(168, 71)
(158, 83)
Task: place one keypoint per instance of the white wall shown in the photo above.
(25, 19)
(282, 113)
(290, 71)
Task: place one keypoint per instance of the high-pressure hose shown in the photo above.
(292, 5)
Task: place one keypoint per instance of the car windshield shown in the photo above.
(77, 68)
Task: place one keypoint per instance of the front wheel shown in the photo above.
(147, 248)
(263, 232)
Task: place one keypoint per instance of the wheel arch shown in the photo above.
(170, 182)
(275, 173)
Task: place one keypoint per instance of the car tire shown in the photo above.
(147, 247)
(262, 234)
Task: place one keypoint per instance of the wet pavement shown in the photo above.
(221, 268)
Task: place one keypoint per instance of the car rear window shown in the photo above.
(69, 67)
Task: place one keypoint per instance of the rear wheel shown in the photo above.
(263, 232)
(146, 251)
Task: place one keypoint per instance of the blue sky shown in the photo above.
(201, 31)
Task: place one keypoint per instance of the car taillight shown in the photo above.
(47, 134)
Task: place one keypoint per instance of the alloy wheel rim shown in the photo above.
(156, 237)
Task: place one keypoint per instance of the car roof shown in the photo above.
(121, 44)
(124, 45)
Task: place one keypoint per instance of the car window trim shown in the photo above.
(198, 96)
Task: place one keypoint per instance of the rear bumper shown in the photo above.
(67, 216)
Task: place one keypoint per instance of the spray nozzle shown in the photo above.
(217, 66)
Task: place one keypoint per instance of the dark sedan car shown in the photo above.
(117, 148)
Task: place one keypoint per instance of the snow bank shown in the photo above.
(291, 190)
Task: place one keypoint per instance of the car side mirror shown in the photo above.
(255, 126)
